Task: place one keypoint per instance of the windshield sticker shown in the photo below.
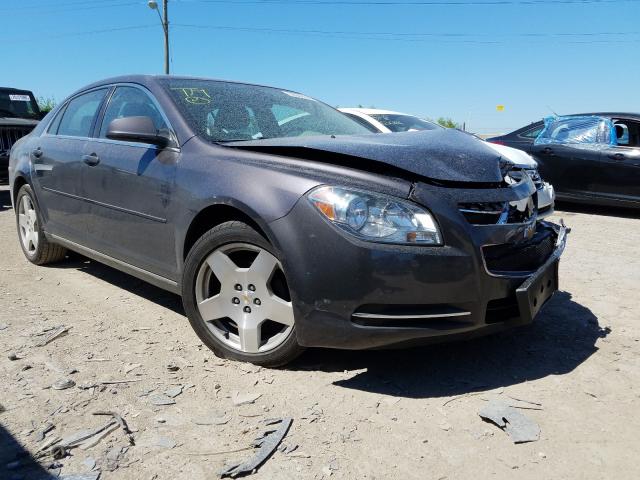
(20, 98)
(195, 96)
(298, 95)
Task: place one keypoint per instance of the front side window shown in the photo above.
(578, 130)
(224, 112)
(131, 102)
(403, 123)
(80, 113)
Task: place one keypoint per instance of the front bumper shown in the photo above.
(355, 295)
(4, 168)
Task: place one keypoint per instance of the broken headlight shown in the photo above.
(376, 217)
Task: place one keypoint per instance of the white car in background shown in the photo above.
(388, 121)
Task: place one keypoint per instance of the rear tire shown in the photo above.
(33, 242)
(234, 279)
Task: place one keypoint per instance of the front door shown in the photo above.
(131, 187)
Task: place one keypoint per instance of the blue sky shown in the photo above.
(463, 61)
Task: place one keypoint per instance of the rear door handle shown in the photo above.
(92, 160)
(36, 152)
(616, 156)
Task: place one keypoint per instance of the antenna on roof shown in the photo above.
(552, 111)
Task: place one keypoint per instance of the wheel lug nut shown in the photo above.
(238, 287)
(252, 287)
(247, 309)
(235, 300)
(257, 301)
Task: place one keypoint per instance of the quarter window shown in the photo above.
(131, 102)
(80, 113)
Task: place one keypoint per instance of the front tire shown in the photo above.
(236, 297)
(33, 242)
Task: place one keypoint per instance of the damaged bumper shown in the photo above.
(356, 295)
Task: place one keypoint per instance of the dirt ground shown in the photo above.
(356, 415)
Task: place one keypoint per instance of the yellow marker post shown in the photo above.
(500, 108)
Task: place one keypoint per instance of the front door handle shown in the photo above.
(36, 152)
(92, 160)
(547, 151)
(616, 156)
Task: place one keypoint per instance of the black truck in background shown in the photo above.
(19, 114)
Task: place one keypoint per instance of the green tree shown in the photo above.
(46, 104)
(447, 122)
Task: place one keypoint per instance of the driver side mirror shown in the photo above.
(138, 129)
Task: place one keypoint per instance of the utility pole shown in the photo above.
(164, 21)
(165, 26)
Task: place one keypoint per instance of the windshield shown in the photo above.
(18, 104)
(225, 112)
(403, 123)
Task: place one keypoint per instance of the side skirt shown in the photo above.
(125, 267)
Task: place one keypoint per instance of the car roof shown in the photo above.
(147, 79)
(11, 89)
(371, 111)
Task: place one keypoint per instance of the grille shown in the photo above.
(482, 213)
(10, 135)
(516, 174)
(520, 257)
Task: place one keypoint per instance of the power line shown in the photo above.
(78, 34)
(419, 37)
(443, 3)
(74, 6)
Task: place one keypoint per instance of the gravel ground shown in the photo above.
(373, 415)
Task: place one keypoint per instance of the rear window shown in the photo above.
(18, 104)
(403, 123)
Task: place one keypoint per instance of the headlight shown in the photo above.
(376, 217)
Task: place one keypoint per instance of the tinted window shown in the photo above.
(403, 123)
(222, 111)
(130, 102)
(532, 133)
(362, 122)
(80, 113)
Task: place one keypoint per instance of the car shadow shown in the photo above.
(562, 337)
(122, 280)
(622, 212)
(17, 462)
(5, 200)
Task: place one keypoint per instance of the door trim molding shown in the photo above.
(107, 205)
(152, 278)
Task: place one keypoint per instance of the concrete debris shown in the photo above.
(81, 476)
(160, 399)
(63, 384)
(211, 419)
(13, 357)
(112, 458)
(520, 428)
(55, 333)
(244, 398)
(89, 462)
(173, 392)
(266, 445)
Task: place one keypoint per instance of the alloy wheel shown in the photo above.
(243, 298)
(28, 224)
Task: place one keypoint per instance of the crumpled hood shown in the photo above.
(445, 155)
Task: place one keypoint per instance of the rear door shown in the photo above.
(59, 169)
(620, 178)
(131, 188)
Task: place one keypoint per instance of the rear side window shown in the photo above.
(362, 122)
(80, 113)
(131, 102)
(533, 133)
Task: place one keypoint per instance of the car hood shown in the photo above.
(442, 155)
(517, 157)
(17, 122)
